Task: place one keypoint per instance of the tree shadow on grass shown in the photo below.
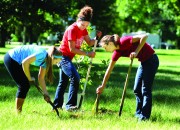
(114, 87)
(9, 87)
(2, 53)
(117, 80)
(5, 77)
(168, 54)
(164, 87)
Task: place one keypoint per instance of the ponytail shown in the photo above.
(49, 71)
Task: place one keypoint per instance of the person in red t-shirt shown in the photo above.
(134, 47)
(71, 44)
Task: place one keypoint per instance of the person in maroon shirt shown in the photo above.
(134, 47)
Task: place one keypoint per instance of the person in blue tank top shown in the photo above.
(17, 62)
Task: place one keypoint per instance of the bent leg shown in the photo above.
(16, 72)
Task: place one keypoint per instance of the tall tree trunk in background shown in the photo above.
(24, 35)
(30, 35)
(2, 37)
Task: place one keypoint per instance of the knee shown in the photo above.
(22, 92)
(137, 90)
(147, 93)
(76, 78)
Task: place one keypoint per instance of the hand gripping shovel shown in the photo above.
(40, 90)
(125, 87)
(87, 76)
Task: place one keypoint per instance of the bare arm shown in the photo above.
(78, 51)
(26, 64)
(100, 89)
(89, 41)
(142, 39)
(41, 79)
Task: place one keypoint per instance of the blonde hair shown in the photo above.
(49, 69)
(110, 38)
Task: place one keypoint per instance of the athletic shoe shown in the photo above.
(72, 109)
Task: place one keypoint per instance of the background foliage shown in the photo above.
(34, 20)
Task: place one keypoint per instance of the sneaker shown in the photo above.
(137, 116)
(142, 118)
(72, 108)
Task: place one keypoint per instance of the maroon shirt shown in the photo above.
(127, 47)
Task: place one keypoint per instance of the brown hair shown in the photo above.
(110, 38)
(49, 69)
(85, 13)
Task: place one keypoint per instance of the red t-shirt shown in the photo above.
(126, 47)
(75, 34)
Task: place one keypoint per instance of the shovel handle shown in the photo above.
(97, 103)
(125, 87)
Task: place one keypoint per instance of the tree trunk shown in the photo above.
(2, 37)
(30, 34)
(24, 35)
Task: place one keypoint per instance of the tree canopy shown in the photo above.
(30, 20)
(153, 16)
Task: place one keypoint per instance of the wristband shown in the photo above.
(96, 38)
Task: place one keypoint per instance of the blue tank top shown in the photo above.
(20, 53)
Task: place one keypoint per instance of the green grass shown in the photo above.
(37, 113)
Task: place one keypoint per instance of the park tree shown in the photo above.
(29, 19)
(32, 18)
(4, 16)
(153, 16)
(104, 13)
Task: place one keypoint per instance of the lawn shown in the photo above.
(37, 113)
